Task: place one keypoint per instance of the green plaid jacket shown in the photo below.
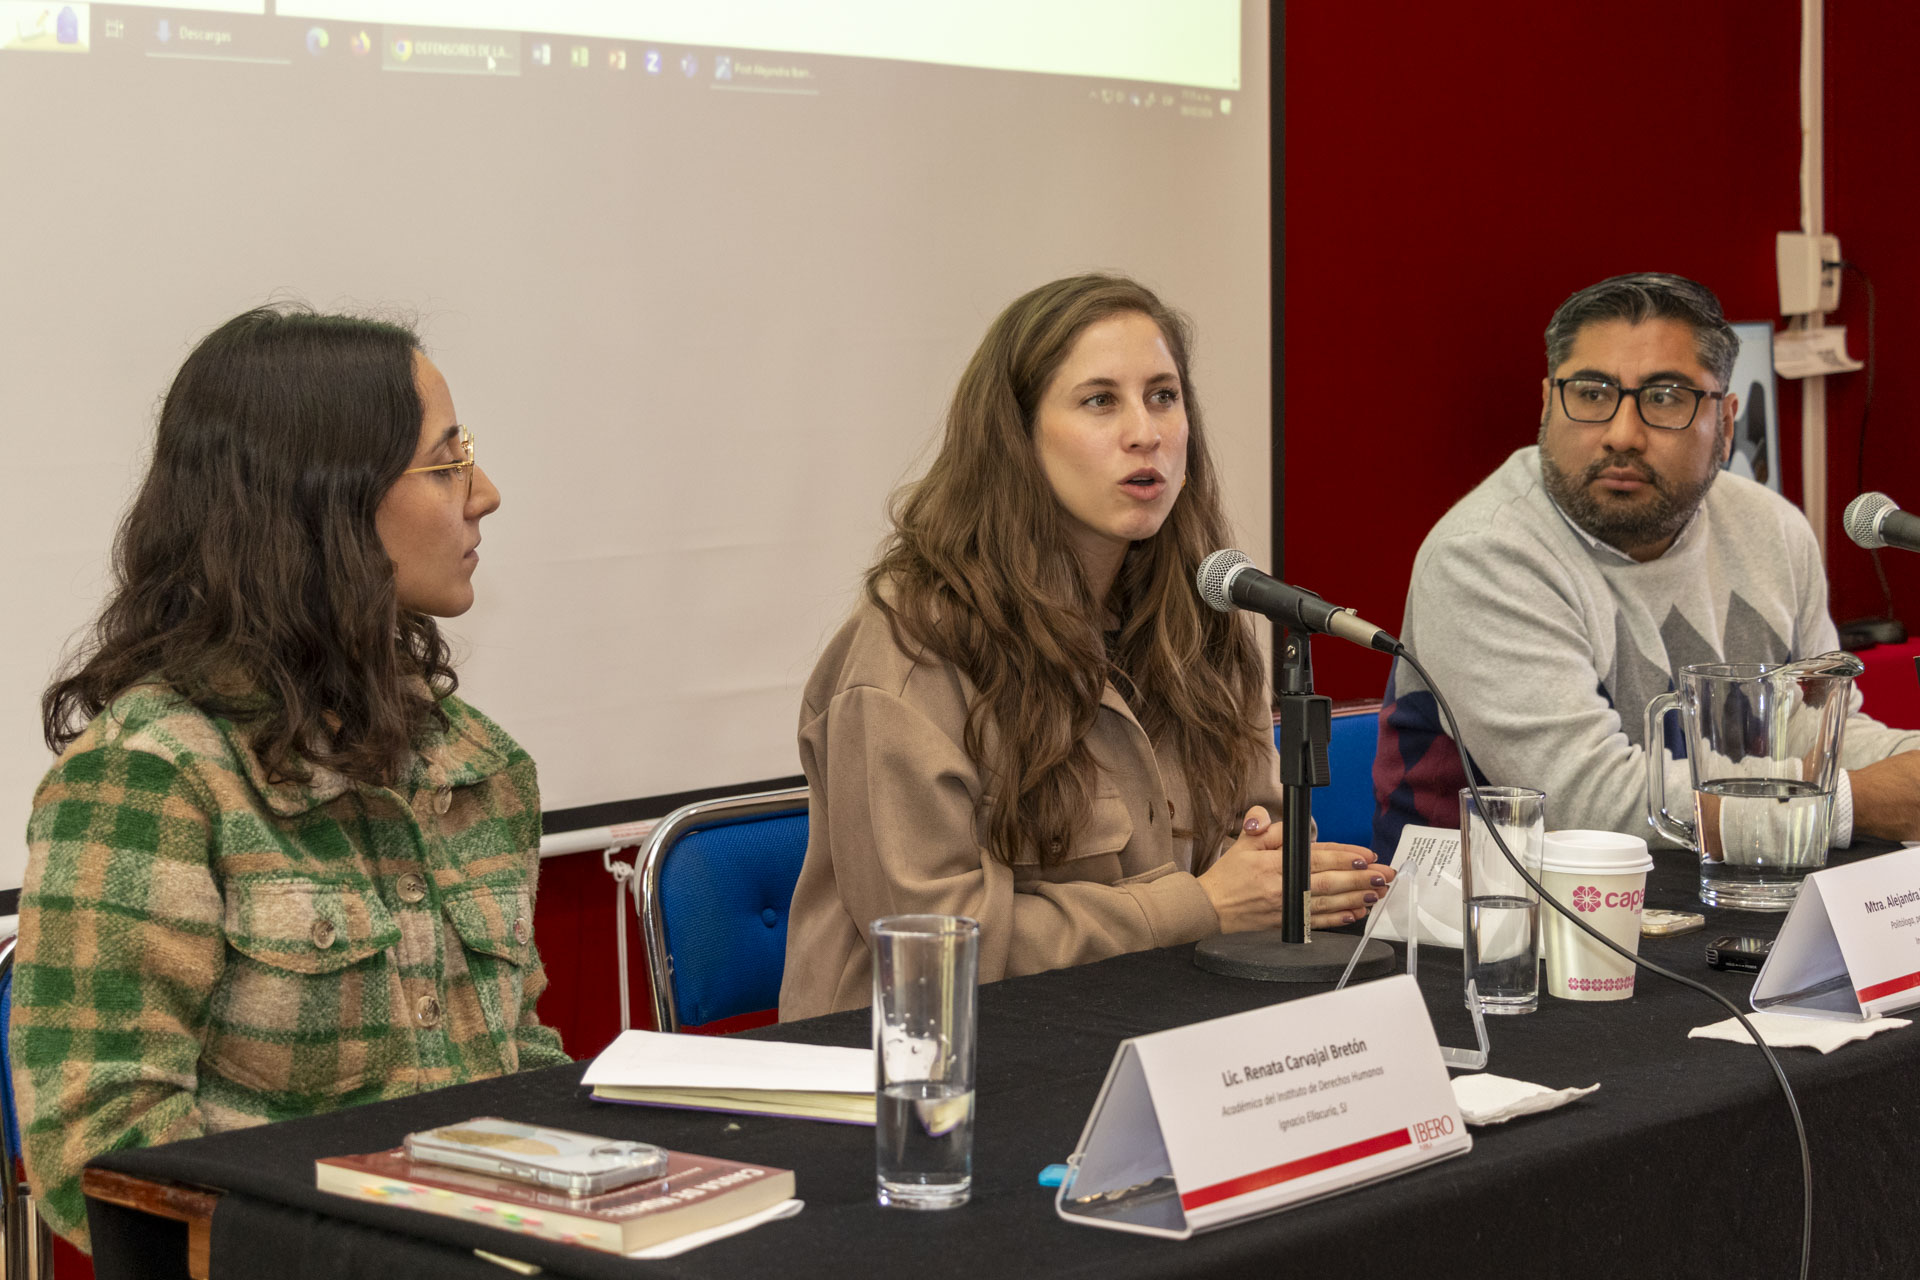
(202, 949)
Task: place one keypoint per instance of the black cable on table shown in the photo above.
(1793, 1106)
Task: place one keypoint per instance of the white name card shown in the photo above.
(1209, 1124)
(1850, 948)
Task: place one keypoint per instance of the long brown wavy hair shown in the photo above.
(248, 574)
(979, 572)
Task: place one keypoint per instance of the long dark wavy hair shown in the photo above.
(979, 572)
(248, 575)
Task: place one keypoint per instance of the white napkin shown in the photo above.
(1788, 1031)
(1491, 1099)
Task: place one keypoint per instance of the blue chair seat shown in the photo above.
(714, 885)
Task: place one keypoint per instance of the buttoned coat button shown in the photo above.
(522, 930)
(443, 800)
(323, 934)
(427, 1011)
(413, 887)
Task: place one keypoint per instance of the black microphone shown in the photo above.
(1227, 581)
(1874, 520)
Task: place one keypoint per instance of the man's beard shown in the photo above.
(1625, 524)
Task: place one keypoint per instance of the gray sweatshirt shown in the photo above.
(1549, 645)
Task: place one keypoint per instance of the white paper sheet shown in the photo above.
(654, 1060)
(1433, 854)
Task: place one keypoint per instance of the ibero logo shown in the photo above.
(1589, 898)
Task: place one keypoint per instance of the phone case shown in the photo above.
(579, 1164)
(1655, 923)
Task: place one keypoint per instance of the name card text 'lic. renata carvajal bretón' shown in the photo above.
(1208, 1124)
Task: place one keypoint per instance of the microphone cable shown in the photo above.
(1793, 1107)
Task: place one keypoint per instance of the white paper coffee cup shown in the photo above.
(1601, 876)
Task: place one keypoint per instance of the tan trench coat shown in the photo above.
(895, 829)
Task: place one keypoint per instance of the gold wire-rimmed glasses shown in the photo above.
(465, 465)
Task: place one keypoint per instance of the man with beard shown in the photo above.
(1559, 597)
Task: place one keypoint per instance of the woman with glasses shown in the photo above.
(279, 868)
(1031, 718)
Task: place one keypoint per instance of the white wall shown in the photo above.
(700, 333)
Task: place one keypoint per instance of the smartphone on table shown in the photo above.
(580, 1164)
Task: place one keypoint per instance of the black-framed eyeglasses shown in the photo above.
(1667, 406)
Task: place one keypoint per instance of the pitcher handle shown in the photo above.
(1663, 822)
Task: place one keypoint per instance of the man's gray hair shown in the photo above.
(1643, 296)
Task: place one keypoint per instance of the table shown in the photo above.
(1683, 1163)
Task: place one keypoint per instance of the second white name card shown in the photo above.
(1850, 947)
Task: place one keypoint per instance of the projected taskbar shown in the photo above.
(242, 33)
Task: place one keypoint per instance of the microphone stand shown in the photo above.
(1306, 730)
(1293, 953)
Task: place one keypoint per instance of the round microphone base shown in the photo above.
(1265, 958)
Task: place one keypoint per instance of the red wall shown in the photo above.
(1429, 234)
(1873, 205)
(573, 926)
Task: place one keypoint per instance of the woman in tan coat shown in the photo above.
(1031, 718)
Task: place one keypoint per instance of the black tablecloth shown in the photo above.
(1683, 1164)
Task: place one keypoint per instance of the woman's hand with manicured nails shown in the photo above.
(1246, 886)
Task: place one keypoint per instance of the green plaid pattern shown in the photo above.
(202, 949)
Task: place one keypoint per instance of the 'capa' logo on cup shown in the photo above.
(1588, 898)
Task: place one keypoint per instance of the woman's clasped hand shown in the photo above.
(1246, 886)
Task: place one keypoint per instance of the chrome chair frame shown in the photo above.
(652, 860)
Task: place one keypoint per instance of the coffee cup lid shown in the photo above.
(1594, 853)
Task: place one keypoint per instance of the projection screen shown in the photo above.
(701, 277)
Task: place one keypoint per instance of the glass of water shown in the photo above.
(925, 979)
(1500, 941)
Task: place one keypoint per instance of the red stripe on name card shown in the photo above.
(1888, 987)
(1295, 1169)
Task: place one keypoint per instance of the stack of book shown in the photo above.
(697, 1193)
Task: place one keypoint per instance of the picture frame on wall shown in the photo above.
(1756, 430)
